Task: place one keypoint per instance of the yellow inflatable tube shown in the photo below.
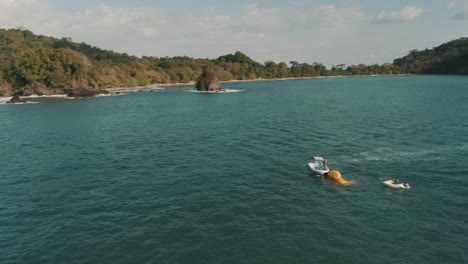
(335, 176)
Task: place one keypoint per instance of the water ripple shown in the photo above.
(179, 177)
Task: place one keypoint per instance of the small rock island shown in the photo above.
(208, 82)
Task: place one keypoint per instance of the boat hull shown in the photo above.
(391, 184)
(314, 169)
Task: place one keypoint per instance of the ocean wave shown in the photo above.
(220, 92)
(462, 147)
(110, 94)
(132, 90)
(27, 102)
(45, 96)
(4, 101)
(388, 154)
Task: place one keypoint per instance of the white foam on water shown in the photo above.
(45, 96)
(4, 100)
(59, 96)
(110, 94)
(462, 147)
(217, 92)
(133, 90)
(388, 154)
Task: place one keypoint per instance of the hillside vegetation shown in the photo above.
(448, 58)
(34, 64)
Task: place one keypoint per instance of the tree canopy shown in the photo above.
(32, 63)
(448, 58)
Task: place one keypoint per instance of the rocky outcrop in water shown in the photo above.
(84, 92)
(208, 82)
(16, 100)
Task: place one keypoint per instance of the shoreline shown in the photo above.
(192, 83)
(159, 86)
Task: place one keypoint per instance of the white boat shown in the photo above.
(394, 184)
(319, 165)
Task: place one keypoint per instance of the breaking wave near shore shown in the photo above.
(217, 92)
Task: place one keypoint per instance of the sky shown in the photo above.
(330, 32)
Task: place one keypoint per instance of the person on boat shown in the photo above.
(325, 164)
(405, 184)
(396, 181)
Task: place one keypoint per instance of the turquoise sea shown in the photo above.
(174, 176)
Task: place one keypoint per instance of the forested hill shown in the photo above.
(448, 58)
(33, 64)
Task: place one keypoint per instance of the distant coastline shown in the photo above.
(192, 83)
(156, 86)
(40, 65)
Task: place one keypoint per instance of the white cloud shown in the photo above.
(20, 3)
(328, 21)
(463, 14)
(266, 30)
(406, 14)
(154, 32)
(339, 16)
(24, 13)
(264, 16)
(149, 32)
(451, 4)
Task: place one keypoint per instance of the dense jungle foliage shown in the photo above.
(448, 58)
(34, 64)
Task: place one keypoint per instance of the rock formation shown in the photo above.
(84, 92)
(16, 100)
(208, 82)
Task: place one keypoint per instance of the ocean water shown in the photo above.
(173, 176)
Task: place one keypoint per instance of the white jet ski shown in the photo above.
(395, 184)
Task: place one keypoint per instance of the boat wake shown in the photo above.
(391, 155)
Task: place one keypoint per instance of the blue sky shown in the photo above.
(330, 32)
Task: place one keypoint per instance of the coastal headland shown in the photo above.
(118, 90)
(62, 67)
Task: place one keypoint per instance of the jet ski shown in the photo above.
(396, 184)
